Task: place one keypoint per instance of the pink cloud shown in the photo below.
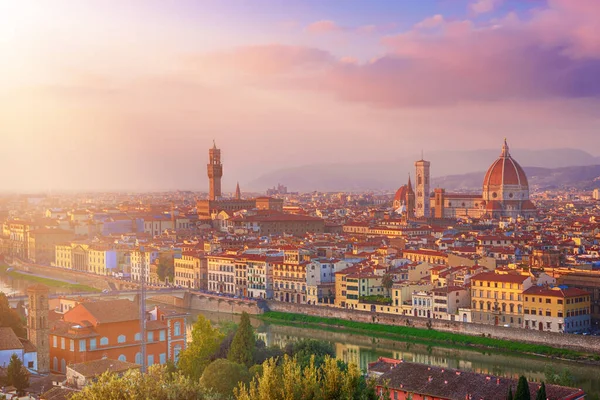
(555, 53)
(484, 6)
(265, 59)
(324, 26)
(430, 22)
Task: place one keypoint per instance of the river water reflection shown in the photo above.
(362, 350)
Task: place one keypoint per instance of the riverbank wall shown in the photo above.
(587, 344)
(62, 275)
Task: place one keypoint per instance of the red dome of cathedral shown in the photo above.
(401, 194)
(505, 171)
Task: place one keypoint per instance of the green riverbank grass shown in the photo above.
(47, 281)
(424, 336)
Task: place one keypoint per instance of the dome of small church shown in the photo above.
(505, 171)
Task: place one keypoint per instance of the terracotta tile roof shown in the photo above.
(9, 340)
(447, 383)
(97, 367)
(493, 277)
(109, 311)
(58, 393)
(28, 347)
(555, 292)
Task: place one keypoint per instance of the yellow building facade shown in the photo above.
(497, 298)
(563, 310)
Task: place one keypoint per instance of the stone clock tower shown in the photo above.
(215, 172)
(37, 325)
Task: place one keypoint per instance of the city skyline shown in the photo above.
(105, 96)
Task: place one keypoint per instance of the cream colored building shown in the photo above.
(143, 260)
(102, 260)
(221, 273)
(187, 270)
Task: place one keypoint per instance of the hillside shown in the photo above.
(454, 170)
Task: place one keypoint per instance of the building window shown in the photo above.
(163, 358)
(162, 337)
(122, 357)
(150, 360)
(176, 351)
(92, 344)
(138, 358)
(72, 345)
(104, 341)
(82, 345)
(54, 342)
(121, 339)
(150, 336)
(138, 337)
(177, 329)
(55, 364)
(62, 343)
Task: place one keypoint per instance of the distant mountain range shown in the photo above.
(579, 177)
(452, 170)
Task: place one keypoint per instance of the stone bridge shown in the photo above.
(181, 298)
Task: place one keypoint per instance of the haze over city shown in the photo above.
(129, 95)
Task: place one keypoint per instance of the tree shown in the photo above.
(10, 319)
(289, 381)
(522, 392)
(222, 376)
(387, 281)
(509, 396)
(166, 267)
(200, 352)
(304, 349)
(17, 375)
(244, 343)
(541, 393)
(562, 378)
(156, 384)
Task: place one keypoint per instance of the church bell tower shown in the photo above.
(37, 325)
(423, 206)
(215, 172)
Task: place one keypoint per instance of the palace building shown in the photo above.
(505, 194)
(215, 203)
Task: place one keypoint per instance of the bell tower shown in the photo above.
(215, 172)
(37, 325)
(423, 202)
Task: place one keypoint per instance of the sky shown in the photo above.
(129, 94)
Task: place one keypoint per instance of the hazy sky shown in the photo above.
(130, 94)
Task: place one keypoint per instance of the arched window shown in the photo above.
(138, 358)
(177, 329)
(121, 339)
(104, 341)
(122, 357)
(63, 366)
(55, 364)
(138, 336)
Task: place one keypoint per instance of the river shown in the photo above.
(362, 349)
(17, 286)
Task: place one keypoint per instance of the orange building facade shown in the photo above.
(111, 329)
